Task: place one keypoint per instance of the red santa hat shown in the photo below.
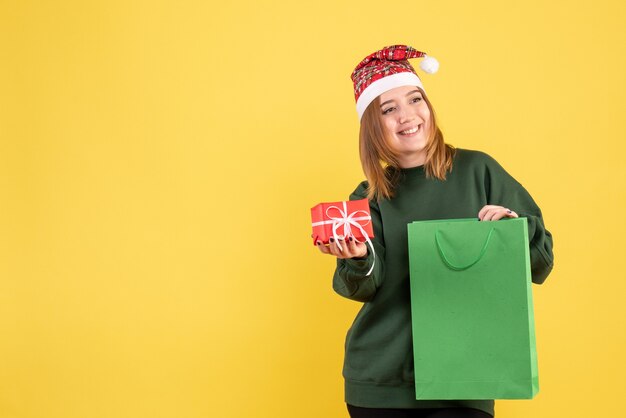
(386, 69)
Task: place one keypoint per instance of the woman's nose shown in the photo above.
(405, 115)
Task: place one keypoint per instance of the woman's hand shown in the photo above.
(350, 248)
(493, 213)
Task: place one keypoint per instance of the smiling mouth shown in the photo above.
(411, 132)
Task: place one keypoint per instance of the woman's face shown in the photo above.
(407, 122)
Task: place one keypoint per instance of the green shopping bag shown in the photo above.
(472, 311)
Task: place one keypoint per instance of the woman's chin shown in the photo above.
(415, 148)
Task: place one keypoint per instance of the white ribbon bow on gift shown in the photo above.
(348, 221)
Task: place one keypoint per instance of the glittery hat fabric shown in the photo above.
(383, 70)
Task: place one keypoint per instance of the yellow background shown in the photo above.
(158, 160)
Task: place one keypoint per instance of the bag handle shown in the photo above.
(460, 268)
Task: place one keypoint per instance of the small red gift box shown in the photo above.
(342, 220)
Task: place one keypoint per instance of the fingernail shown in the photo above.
(479, 219)
(332, 240)
(350, 239)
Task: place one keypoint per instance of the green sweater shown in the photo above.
(378, 365)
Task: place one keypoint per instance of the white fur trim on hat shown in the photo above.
(384, 84)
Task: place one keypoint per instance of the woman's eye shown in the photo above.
(416, 99)
(387, 110)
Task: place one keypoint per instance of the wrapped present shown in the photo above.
(342, 220)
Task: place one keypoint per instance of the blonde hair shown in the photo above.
(380, 163)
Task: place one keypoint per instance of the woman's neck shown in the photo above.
(412, 161)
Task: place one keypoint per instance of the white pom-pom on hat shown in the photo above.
(429, 65)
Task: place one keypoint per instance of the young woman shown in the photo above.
(412, 174)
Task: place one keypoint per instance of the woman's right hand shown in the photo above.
(350, 248)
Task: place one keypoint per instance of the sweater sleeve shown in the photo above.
(504, 190)
(350, 279)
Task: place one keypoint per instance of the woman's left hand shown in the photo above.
(493, 213)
